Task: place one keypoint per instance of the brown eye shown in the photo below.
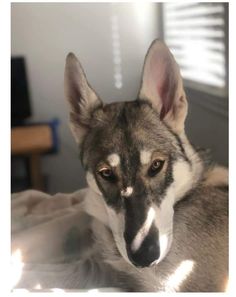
(107, 174)
(155, 167)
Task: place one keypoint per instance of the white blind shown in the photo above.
(196, 36)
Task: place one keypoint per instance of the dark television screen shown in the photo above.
(20, 99)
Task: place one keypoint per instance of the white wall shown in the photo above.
(45, 32)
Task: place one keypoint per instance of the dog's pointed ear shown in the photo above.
(81, 97)
(162, 86)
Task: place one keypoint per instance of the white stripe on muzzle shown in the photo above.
(143, 231)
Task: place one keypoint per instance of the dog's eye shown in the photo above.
(107, 174)
(155, 167)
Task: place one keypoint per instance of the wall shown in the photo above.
(45, 32)
(207, 123)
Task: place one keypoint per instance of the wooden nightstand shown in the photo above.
(32, 142)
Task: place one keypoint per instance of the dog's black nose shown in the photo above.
(148, 252)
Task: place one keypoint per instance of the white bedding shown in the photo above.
(45, 243)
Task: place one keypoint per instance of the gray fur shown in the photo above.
(200, 235)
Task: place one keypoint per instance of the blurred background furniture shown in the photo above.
(30, 143)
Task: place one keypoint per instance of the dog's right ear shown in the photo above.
(162, 86)
(81, 97)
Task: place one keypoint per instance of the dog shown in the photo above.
(158, 211)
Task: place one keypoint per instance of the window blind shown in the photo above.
(195, 34)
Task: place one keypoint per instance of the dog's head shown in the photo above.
(133, 153)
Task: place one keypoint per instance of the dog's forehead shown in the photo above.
(131, 120)
(126, 130)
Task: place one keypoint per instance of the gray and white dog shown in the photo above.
(158, 214)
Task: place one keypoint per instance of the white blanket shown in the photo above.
(45, 242)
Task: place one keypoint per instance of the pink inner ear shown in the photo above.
(166, 88)
(163, 82)
(161, 78)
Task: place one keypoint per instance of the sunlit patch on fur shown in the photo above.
(16, 267)
(142, 233)
(127, 192)
(114, 160)
(181, 273)
(228, 287)
(93, 291)
(57, 290)
(145, 157)
(217, 176)
(110, 289)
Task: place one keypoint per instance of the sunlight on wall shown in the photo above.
(142, 16)
(195, 33)
(116, 52)
(143, 10)
(181, 273)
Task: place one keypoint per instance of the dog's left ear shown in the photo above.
(82, 98)
(162, 86)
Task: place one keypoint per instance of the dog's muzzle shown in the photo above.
(149, 250)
